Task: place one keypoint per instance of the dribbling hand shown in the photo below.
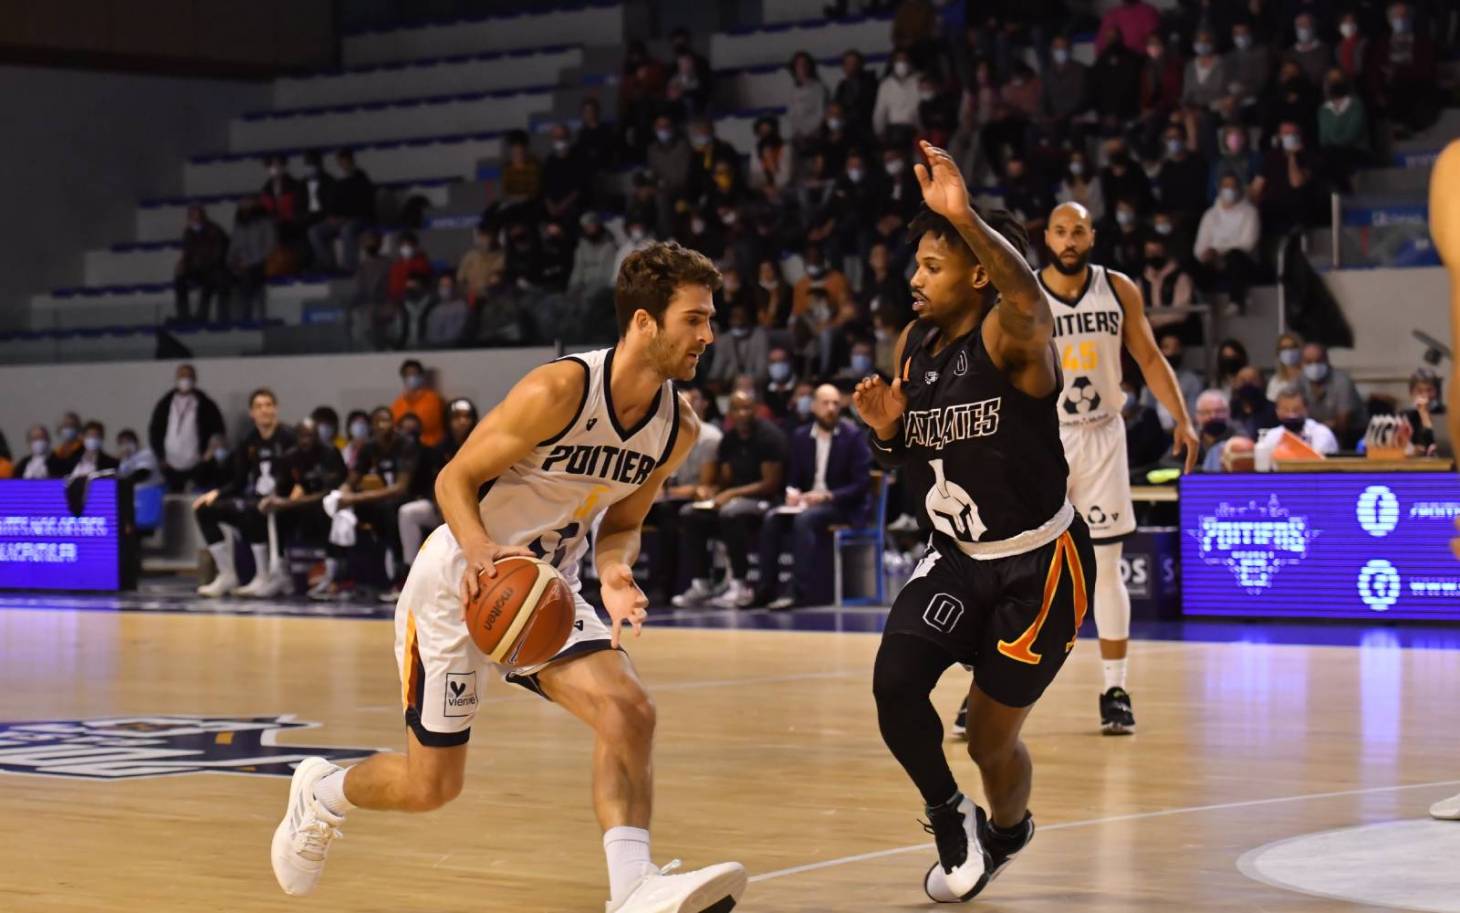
(943, 188)
(880, 405)
(481, 564)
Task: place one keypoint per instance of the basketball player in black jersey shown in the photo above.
(970, 419)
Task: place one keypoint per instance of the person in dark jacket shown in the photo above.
(41, 462)
(202, 266)
(827, 485)
(182, 422)
(349, 209)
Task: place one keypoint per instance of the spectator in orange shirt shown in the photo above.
(422, 401)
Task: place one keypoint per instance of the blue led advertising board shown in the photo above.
(43, 546)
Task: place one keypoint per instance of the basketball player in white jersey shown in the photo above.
(579, 446)
(1445, 230)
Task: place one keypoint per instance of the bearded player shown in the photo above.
(579, 446)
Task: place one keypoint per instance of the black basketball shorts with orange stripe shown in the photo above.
(1014, 619)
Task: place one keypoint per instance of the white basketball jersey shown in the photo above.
(552, 500)
(1088, 332)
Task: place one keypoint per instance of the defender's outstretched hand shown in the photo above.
(879, 405)
(943, 188)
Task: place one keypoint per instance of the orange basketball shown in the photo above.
(522, 616)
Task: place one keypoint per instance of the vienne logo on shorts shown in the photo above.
(461, 694)
(943, 612)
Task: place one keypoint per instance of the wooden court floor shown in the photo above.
(767, 753)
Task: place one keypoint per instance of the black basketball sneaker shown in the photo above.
(963, 862)
(1002, 846)
(1116, 716)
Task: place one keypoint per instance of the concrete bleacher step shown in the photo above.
(392, 120)
(422, 159)
(153, 303)
(483, 72)
(588, 23)
(1435, 137)
(131, 264)
(774, 44)
(163, 219)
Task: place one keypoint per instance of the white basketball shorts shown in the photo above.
(1100, 478)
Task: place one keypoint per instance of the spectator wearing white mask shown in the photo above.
(1226, 240)
(639, 238)
(94, 457)
(136, 464)
(40, 462)
(897, 96)
(182, 422)
(1312, 54)
(1332, 398)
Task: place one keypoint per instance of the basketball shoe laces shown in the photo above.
(312, 839)
(946, 826)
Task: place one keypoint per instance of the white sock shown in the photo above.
(1114, 673)
(331, 570)
(329, 791)
(260, 560)
(627, 849)
(223, 557)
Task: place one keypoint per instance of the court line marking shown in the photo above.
(1136, 816)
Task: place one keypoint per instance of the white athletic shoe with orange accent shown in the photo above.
(712, 889)
(1447, 809)
(302, 839)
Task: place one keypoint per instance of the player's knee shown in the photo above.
(629, 715)
(988, 749)
(894, 685)
(430, 793)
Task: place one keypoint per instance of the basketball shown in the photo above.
(522, 616)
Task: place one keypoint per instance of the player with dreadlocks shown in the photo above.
(970, 419)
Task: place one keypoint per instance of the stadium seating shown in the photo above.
(595, 23)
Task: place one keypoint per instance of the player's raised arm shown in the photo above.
(1140, 341)
(539, 407)
(616, 546)
(1024, 316)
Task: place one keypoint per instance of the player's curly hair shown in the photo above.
(1000, 220)
(648, 278)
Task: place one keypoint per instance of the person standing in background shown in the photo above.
(182, 422)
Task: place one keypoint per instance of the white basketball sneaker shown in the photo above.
(302, 839)
(963, 867)
(713, 889)
(1446, 809)
(226, 582)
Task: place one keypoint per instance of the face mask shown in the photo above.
(803, 404)
(1215, 428)
(1125, 218)
(1294, 425)
(1163, 229)
(220, 454)
(407, 251)
(1156, 262)
(1348, 29)
(929, 94)
(740, 332)
(697, 226)
(40, 448)
(1242, 42)
(1060, 56)
(360, 430)
(1229, 195)
(1292, 142)
(1077, 168)
(92, 444)
(184, 385)
(854, 175)
(861, 364)
(68, 434)
(815, 270)
(834, 124)
(1317, 372)
(894, 167)
(1290, 357)
(1174, 147)
(1230, 365)
(560, 146)
(1202, 48)
(664, 136)
(127, 450)
(636, 234)
(414, 381)
(1234, 143)
(1305, 35)
(326, 434)
(901, 68)
(768, 284)
(699, 140)
(780, 371)
(728, 218)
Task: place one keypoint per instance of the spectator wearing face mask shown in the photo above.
(1251, 410)
(1167, 288)
(135, 463)
(40, 462)
(203, 266)
(357, 426)
(1293, 418)
(284, 199)
(1287, 192)
(1288, 371)
(1120, 239)
(1161, 80)
(1206, 80)
(638, 238)
(1353, 48)
(1065, 86)
(772, 295)
(1235, 159)
(447, 321)
(1123, 179)
(1226, 243)
(1311, 52)
(1425, 408)
(819, 276)
(780, 387)
(744, 348)
(897, 97)
(861, 363)
(216, 468)
(1079, 184)
(1186, 379)
(327, 424)
(481, 268)
(93, 457)
(182, 422)
(1248, 64)
(68, 441)
(806, 99)
(1182, 181)
(319, 187)
(563, 178)
(1343, 131)
(1214, 422)
(1231, 359)
(1331, 396)
(899, 190)
(418, 398)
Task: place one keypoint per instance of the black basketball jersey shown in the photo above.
(985, 459)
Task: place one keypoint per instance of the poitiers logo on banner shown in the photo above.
(133, 747)
(1253, 540)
